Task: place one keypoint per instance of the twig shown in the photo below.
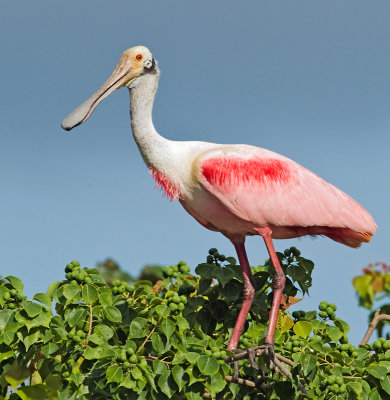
(147, 338)
(90, 326)
(240, 381)
(372, 325)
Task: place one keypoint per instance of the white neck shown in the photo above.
(149, 142)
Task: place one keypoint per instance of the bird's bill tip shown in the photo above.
(123, 74)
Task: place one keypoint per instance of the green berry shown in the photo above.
(210, 259)
(69, 268)
(296, 349)
(180, 306)
(354, 354)
(11, 305)
(329, 310)
(183, 299)
(175, 268)
(323, 314)
(288, 346)
(223, 354)
(173, 306)
(176, 299)
(122, 288)
(169, 272)
(302, 343)
(386, 344)
(133, 359)
(216, 354)
(331, 380)
(13, 292)
(344, 347)
(222, 257)
(76, 338)
(70, 335)
(129, 351)
(126, 364)
(333, 306)
(344, 354)
(175, 274)
(6, 296)
(68, 275)
(88, 280)
(325, 303)
(342, 388)
(81, 334)
(169, 294)
(296, 343)
(322, 307)
(75, 263)
(377, 344)
(212, 250)
(221, 362)
(208, 353)
(339, 380)
(287, 252)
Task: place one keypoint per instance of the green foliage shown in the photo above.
(168, 340)
(373, 290)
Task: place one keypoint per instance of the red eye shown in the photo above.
(138, 57)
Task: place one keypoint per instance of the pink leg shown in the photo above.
(249, 292)
(278, 285)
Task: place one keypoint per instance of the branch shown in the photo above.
(372, 325)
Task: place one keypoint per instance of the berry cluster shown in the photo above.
(175, 302)
(77, 336)
(348, 350)
(299, 315)
(77, 275)
(214, 256)
(296, 344)
(176, 270)
(128, 358)
(12, 297)
(213, 351)
(246, 340)
(120, 287)
(291, 254)
(379, 346)
(327, 310)
(335, 384)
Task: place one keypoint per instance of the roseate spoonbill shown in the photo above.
(238, 190)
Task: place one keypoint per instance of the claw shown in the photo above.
(271, 353)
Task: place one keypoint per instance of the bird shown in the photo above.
(238, 190)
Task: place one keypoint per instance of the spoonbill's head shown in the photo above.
(133, 63)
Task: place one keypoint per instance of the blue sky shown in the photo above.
(307, 79)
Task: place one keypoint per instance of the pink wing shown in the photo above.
(268, 189)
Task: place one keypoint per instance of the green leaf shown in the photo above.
(77, 316)
(7, 320)
(96, 353)
(342, 325)
(356, 387)
(178, 373)
(206, 271)
(43, 298)
(162, 311)
(224, 275)
(72, 292)
(164, 384)
(128, 382)
(35, 392)
(99, 340)
(168, 327)
(104, 331)
(191, 357)
(159, 367)
(217, 384)
(112, 314)
(334, 333)
(303, 328)
(138, 328)
(105, 296)
(385, 383)
(157, 343)
(49, 348)
(207, 365)
(15, 282)
(31, 339)
(32, 309)
(17, 374)
(308, 362)
(6, 355)
(90, 294)
(377, 371)
(114, 373)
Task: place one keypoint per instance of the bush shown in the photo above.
(168, 340)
